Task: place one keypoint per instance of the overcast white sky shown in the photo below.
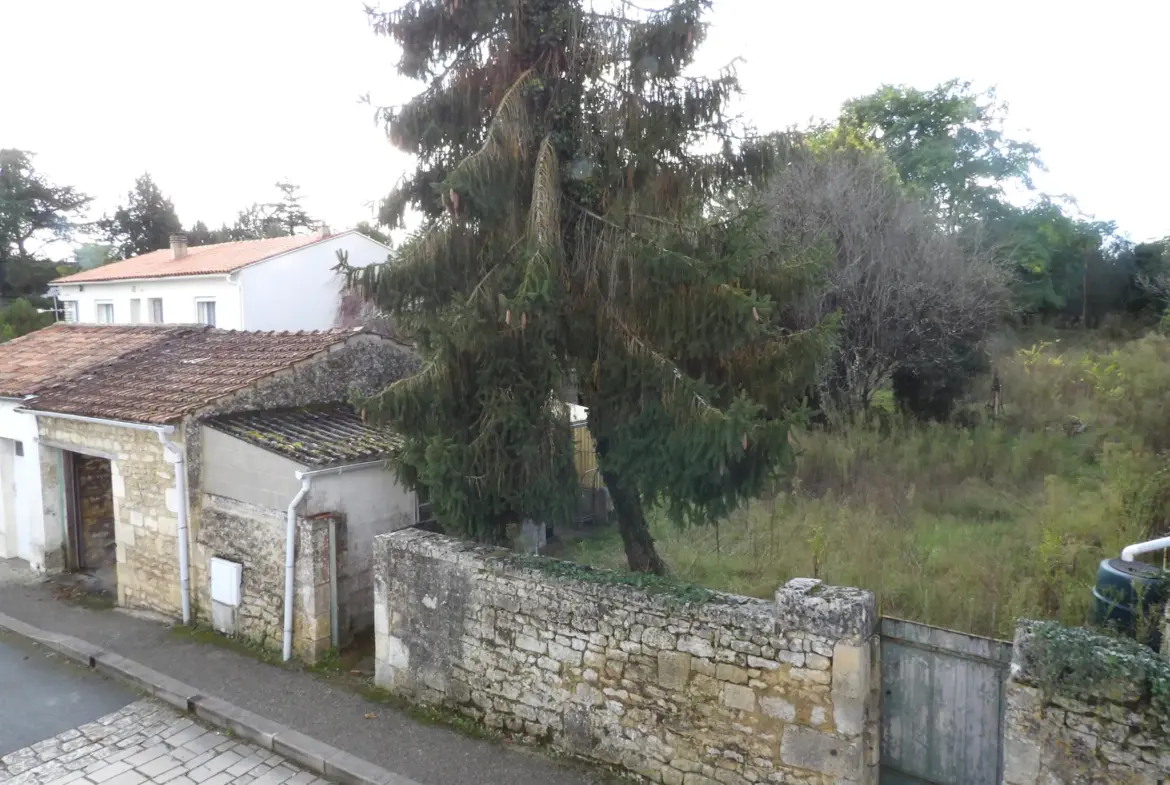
(218, 99)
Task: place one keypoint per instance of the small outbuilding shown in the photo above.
(315, 473)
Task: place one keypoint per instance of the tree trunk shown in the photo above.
(641, 555)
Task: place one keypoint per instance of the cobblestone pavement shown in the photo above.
(147, 742)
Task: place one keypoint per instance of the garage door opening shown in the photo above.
(92, 544)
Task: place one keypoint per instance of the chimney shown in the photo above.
(323, 230)
(178, 246)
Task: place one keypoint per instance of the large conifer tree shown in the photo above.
(574, 237)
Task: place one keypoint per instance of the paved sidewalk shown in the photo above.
(429, 754)
(147, 743)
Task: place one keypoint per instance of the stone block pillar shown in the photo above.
(311, 613)
(850, 753)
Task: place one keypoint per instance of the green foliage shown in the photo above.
(574, 236)
(19, 318)
(1081, 662)
(967, 527)
(948, 144)
(33, 212)
(286, 216)
(373, 232)
(144, 224)
(90, 255)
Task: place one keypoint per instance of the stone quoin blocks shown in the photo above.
(731, 691)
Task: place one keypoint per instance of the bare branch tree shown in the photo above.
(907, 292)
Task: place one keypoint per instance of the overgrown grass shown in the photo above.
(965, 527)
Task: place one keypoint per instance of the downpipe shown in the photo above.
(290, 557)
(290, 553)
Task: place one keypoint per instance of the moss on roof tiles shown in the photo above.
(313, 436)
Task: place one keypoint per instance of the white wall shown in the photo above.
(178, 295)
(299, 290)
(373, 502)
(235, 469)
(23, 532)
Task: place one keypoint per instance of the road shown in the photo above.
(62, 723)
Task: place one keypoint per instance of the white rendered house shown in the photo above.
(281, 283)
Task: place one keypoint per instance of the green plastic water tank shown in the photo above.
(1125, 590)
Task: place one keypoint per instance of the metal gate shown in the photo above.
(942, 705)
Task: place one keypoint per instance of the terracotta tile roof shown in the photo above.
(314, 436)
(55, 353)
(191, 368)
(200, 260)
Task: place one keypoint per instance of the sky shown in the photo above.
(219, 99)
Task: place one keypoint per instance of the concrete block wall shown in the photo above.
(1109, 728)
(674, 687)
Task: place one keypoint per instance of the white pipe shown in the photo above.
(290, 556)
(290, 543)
(180, 461)
(1129, 551)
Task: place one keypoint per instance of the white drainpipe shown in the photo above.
(290, 560)
(1130, 551)
(290, 550)
(164, 433)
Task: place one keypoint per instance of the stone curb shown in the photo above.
(307, 752)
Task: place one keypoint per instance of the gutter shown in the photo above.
(290, 552)
(177, 457)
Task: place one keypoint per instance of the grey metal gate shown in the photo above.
(942, 705)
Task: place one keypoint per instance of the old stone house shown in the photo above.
(126, 447)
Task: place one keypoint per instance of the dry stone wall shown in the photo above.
(681, 687)
(1084, 709)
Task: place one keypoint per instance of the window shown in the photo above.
(69, 310)
(19, 449)
(135, 311)
(206, 309)
(156, 312)
(105, 313)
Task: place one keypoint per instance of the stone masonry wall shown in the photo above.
(255, 537)
(1094, 714)
(146, 519)
(678, 687)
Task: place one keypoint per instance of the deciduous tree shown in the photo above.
(948, 144)
(913, 302)
(33, 213)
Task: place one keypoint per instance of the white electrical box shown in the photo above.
(226, 580)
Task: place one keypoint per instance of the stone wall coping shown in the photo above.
(804, 605)
(1117, 670)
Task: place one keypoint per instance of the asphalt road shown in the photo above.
(45, 695)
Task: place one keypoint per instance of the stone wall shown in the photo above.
(146, 522)
(677, 685)
(1084, 709)
(255, 537)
